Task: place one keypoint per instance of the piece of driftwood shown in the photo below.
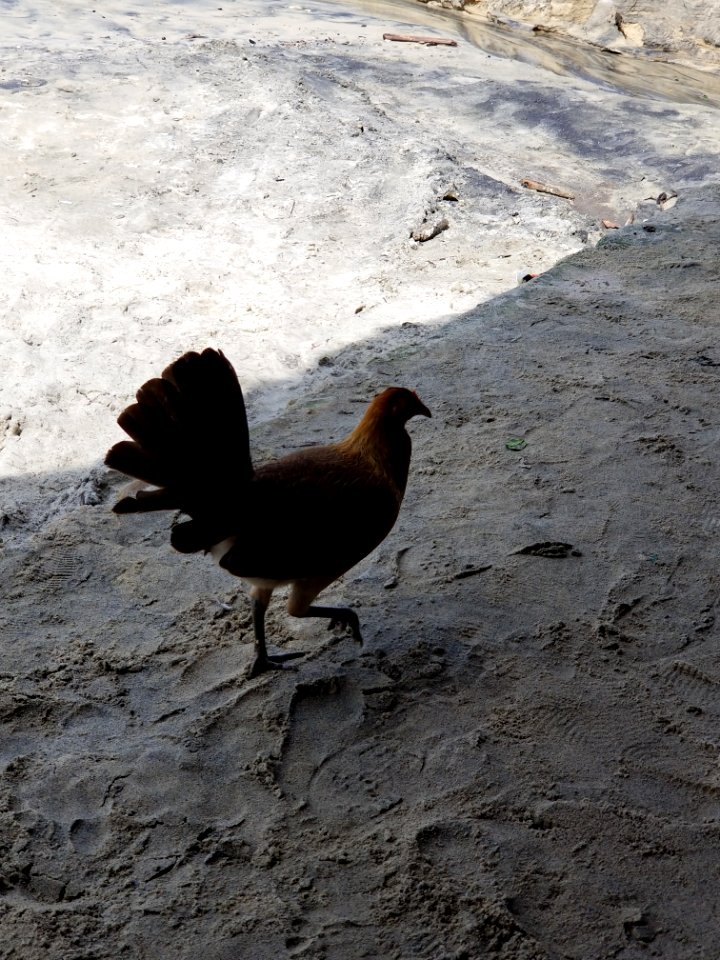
(413, 38)
(544, 188)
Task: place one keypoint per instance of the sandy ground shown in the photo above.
(522, 762)
(687, 30)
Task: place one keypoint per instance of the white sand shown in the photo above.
(167, 194)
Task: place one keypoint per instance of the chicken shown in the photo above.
(301, 521)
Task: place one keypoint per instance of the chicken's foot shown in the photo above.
(272, 661)
(339, 617)
(263, 660)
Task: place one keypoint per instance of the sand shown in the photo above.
(688, 31)
(522, 761)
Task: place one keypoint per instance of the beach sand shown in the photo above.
(522, 761)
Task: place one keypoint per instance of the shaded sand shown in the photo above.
(522, 762)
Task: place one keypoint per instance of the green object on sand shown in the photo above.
(516, 443)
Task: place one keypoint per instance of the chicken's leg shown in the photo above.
(263, 660)
(338, 616)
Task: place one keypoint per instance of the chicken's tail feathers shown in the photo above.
(189, 438)
(190, 537)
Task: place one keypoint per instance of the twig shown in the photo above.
(544, 188)
(413, 38)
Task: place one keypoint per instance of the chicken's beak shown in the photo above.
(421, 410)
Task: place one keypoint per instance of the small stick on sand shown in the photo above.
(428, 41)
(544, 188)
